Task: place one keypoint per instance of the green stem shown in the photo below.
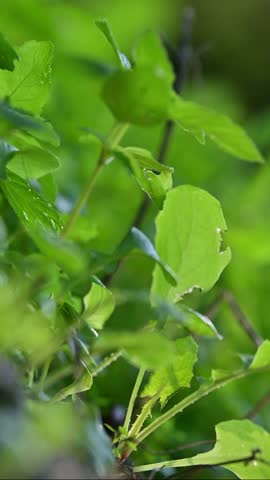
(44, 374)
(113, 139)
(133, 397)
(189, 400)
(106, 363)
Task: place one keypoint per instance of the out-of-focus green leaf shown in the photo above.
(7, 151)
(226, 134)
(105, 28)
(48, 188)
(99, 304)
(236, 439)
(177, 374)
(189, 240)
(7, 54)
(262, 356)
(65, 253)
(140, 97)
(33, 163)
(83, 384)
(143, 348)
(149, 52)
(32, 211)
(12, 118)
(28, 85)
(137, 242)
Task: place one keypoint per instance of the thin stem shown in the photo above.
(44, 374)
(106, 363)
(113, 139)
(190, 399)
(133, 397)
(260, 405)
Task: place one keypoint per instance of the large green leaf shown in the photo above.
(177, 374)
(189, 240)
(33, 212)
(143, 348)
(99, 304)
(7, 54)
(202, 122)
(28, 85)
(236, 440)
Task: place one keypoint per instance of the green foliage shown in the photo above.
(90, 290)
(178, 374)
(193, 248)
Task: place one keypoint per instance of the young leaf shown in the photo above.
(28, 85)
(33, 162)
(236, 440)
(140, 96)
(176, 375)
(202, 122)
(83, 384)
(137, 242)
(189, 240)
(193, 321)
(99, 304)
(29, 206)
(149, 52)
(143, 348)
(154, 178)
(7, 54)
(105, 28)
(262, 356)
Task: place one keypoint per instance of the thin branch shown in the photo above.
(260, 405)
(238, 314)
(177, 449)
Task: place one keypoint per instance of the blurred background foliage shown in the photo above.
(231, 74)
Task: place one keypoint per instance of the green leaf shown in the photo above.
(177, 374)
(140, 97)
(28, 85)
(65, 253)
(33, 212)
(33, 163)
(149, 52)
(189, 240)
(7, 151)
(193, 321)
(7, 54)
(48, 188)
(137, 242)
(105, 28)
(143, 348)
(99, 304)
(12, 119)
(262, 356)
(202, 122)
(154, 178)
(236, 439)
(83, 384)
